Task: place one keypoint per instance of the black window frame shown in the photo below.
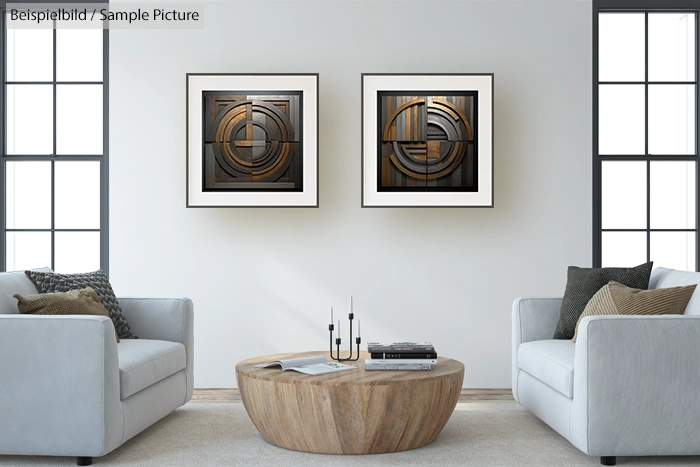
(643, 6)
(103, 158)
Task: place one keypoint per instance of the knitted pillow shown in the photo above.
(47, 282)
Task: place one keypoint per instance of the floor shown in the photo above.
(479, 434)
(468, 395)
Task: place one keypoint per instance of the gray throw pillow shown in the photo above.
(583, 283)
(48, 282)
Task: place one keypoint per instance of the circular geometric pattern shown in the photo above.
(252, 140)
(445, 143)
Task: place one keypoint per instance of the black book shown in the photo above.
(399, 355)
(400, 347)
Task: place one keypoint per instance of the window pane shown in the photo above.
(77, 252)
(671, 119)
(675, 250)
(621, 119)
(624, 249)
(672, 195)
(79, 119)
(28, 250)
(624, 195)
(621, 47)
(77, 195)
(30, 119)
(28, 202)
(79, 54)
(29, 54)
(671, 47)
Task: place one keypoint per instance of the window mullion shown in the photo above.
(597, 161)
(104, 164)
(53, 164)
(3, 144)
(646, 129)
(697, 142)
(53, 212)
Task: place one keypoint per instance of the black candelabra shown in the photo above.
(331, 328)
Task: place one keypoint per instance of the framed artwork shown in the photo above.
(427, 140)
(252, 140)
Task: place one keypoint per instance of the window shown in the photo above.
(645, 133)
(53, 164)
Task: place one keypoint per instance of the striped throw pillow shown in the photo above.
(618, 299)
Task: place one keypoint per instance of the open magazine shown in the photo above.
(308, 365)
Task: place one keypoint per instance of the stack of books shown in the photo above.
(402, 356)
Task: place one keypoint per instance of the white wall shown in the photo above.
(262, 279)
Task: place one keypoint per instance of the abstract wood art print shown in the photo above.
(252, 140)
(427, 140)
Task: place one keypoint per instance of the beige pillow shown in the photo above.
(76, 302)
(618, 299)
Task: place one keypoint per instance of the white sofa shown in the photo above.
(629, 386)
(68, 389)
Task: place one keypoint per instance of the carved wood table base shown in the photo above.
(351, 412)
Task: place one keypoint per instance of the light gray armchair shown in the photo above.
(629, 386)
(68, 389)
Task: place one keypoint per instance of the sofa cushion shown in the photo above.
(617, 299)
(583, 283)
(76, 302)
(144, 362)
(663, 277)
(12, 283)
(550, 361)
(53, 282)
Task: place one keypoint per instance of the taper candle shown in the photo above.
(331, 319)
(358, 328)
(337, 331)
(350, 303)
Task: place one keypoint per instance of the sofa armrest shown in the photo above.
(167, 319)
(59, 385)
(533, 319)
(637, 385)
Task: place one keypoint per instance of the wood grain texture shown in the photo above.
(352, 412)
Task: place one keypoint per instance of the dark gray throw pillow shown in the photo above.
(583, 283)
(49, 282)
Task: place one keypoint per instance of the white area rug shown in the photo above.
(478, 434)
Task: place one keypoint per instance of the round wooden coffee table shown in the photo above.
(351, 412)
